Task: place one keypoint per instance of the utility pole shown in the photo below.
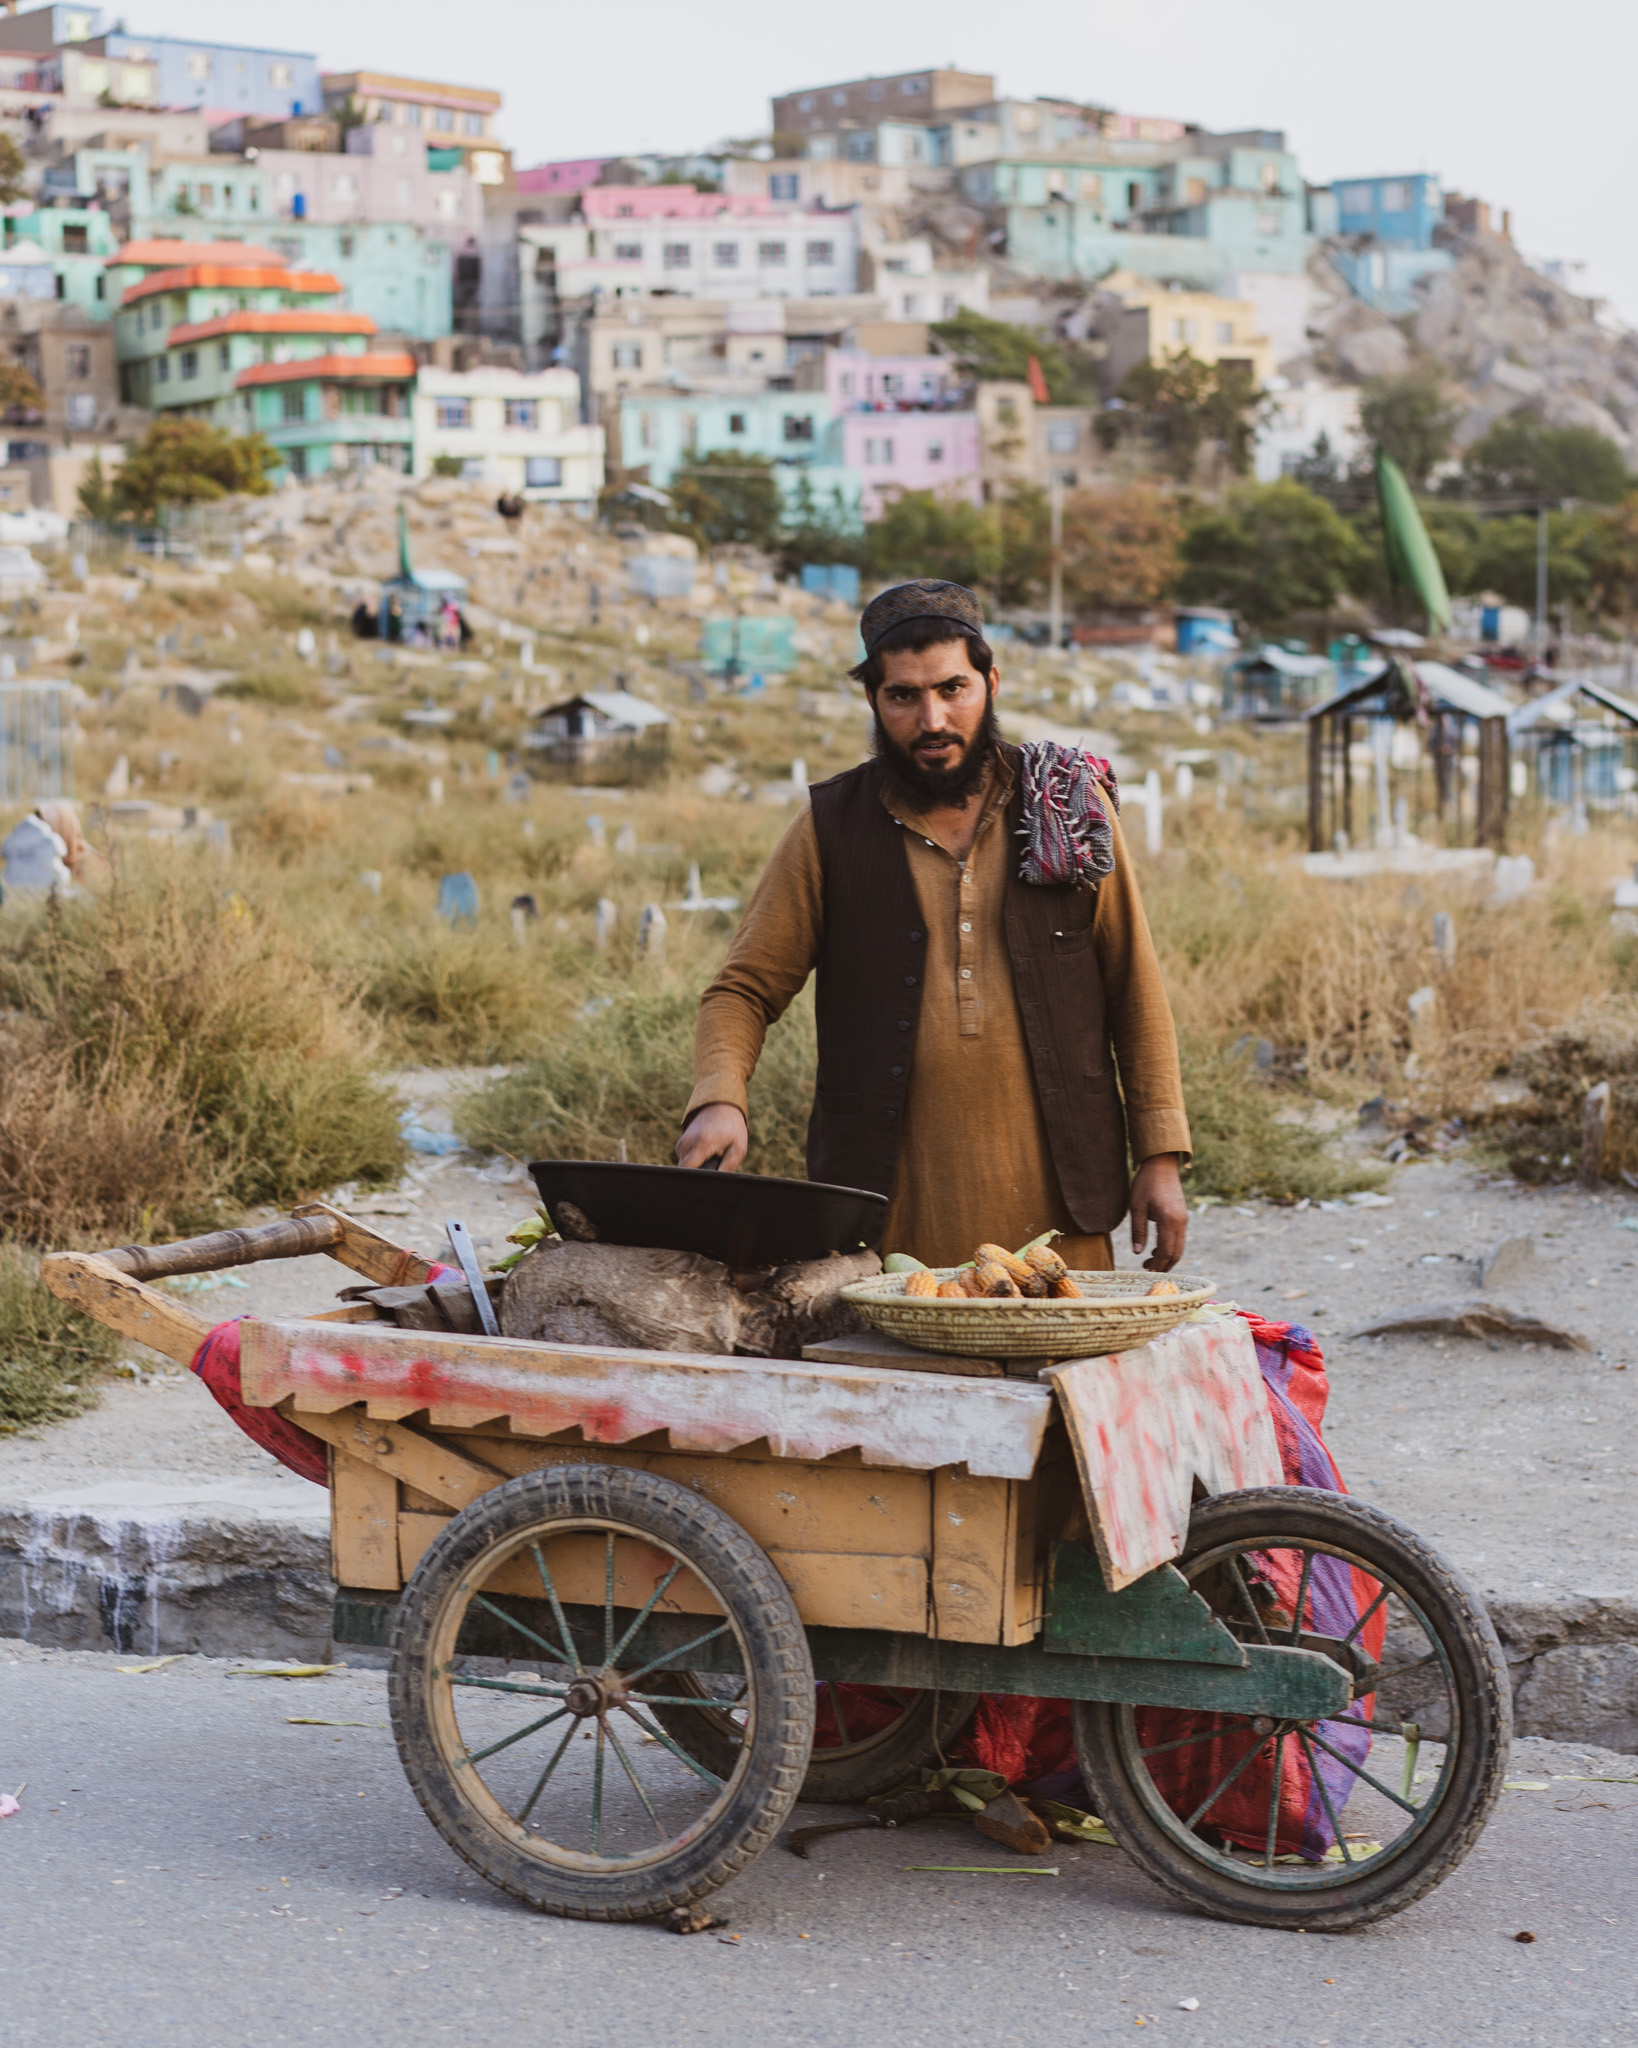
(1055, 602)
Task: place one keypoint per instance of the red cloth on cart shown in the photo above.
(217, 1364)
(1030, 1743)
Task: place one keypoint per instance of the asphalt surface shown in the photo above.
(191, 1869)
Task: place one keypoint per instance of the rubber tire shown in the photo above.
(1287, 1515)
(775, 1648)
(842, 1780)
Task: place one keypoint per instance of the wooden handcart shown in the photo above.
(639, 1603)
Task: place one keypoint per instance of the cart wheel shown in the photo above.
(558, 1784)
(867, 1738)
(1314, 1824)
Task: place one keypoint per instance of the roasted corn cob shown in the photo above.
(1042, 1259)
(1066, 1290)
(921, 1286)
(1009, 1262)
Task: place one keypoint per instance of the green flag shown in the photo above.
(1412, 563)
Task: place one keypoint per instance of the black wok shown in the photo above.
(743, 1219)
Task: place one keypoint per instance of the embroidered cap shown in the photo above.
(925, 598)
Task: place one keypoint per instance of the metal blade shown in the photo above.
(467, 1259)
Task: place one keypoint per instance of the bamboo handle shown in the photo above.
(292, 1237)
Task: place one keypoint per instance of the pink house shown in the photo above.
(571, 176)
(857, 382)
(894, 452)
(607, 203)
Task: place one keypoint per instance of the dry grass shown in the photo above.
(50, 1355)
(1540, 1134)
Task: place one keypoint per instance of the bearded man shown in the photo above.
(993, 1032)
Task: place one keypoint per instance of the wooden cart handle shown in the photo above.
(292, 1237)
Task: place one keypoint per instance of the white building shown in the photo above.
(729, 255)
(517, 430)
(1297, 416)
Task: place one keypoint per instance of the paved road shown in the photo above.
(191, 1870)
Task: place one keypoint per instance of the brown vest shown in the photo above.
(868, 997)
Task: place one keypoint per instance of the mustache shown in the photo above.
(922, 782)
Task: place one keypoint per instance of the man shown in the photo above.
(984, 965)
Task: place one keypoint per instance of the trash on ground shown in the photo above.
(694, 1919)
(989, 1869)
(8, 1805)
(318, 1721)
(1476, 1318)
(287, 1671)
(158, 1664)
(1007, 1820)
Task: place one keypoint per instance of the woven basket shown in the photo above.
(1116, 1314)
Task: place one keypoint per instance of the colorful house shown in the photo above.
(235, 337)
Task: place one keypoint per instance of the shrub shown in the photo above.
(50, 1354)
(1243, 1147)
(177, 1052)
(1541, 1135)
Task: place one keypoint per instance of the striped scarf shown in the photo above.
(1065, 829)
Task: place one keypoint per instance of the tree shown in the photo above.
(816, 531)
(1121, 547)
(96, 494)
(724, 498)
(994, 351)
(1505, 559)
(1522, 457)
(18, 391)
(1411, 419)
(13, 171)
(189, 462)
(1179, 405)
(1614, 559)
(1002, 548)
(1268, 551)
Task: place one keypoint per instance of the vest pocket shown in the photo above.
(838, 1101)
(1066, 944)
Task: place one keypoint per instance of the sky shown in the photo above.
(1527, 105)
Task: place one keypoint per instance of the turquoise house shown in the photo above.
(797, 431)
(77, 240)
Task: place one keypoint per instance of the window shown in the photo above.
(1355, 198)
(224, 355)
(344, 186)
(454, 412)
(412, 117)
(1270, 174)
(1090, 186)
(1134, 197)
(443, 120)
(875, 92)
(806, 103)
(542, 472)
(628, 252)
(1025, 120)
(447, 205)
(345, 245)
(910, 87)
(838, 99)
(76, 240)
(1062, 437)
(294, 398)
(80, 409)
(798, 426)
(523, 412)
(1223, 332)
(199, 64)
(784, 185)
(912, 305)
(821, 255)
(1395, 196)
(647, 434)
(771, 255)
(861, 149)
(935, 451)
(898, 265)
(628, 355)
(725, 255)
(952, 305)
(1268, 223)
(472, 124)
(736, 423)
(878, 453)
(279, 76)
(190, 363)
(162, 370)
(678, 255)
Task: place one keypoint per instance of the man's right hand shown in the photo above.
(719, 1131)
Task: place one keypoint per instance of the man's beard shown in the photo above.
(927, 786)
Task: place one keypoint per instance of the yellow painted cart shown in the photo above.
(639, 1603)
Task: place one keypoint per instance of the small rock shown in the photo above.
(1513, 1263)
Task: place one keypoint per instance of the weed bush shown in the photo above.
(50, 1355)
(1540, 1136)
(1242, 1145)
(178, 1053)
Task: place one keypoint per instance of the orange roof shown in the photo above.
(372, 367)
(194, 274)
(311, 320)
(159, 253)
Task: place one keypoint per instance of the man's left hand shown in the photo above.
(1157, 1196)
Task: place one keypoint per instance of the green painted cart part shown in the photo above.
(1158, 1616)
(1286, 1683)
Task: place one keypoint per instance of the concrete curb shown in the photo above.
(86, 1572)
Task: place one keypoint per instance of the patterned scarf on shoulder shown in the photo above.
(1065, 829)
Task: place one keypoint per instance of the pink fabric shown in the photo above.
(217, 1364)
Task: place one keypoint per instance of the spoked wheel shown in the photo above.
(867, 1738)
(558, 1782)
(1315, 1824)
